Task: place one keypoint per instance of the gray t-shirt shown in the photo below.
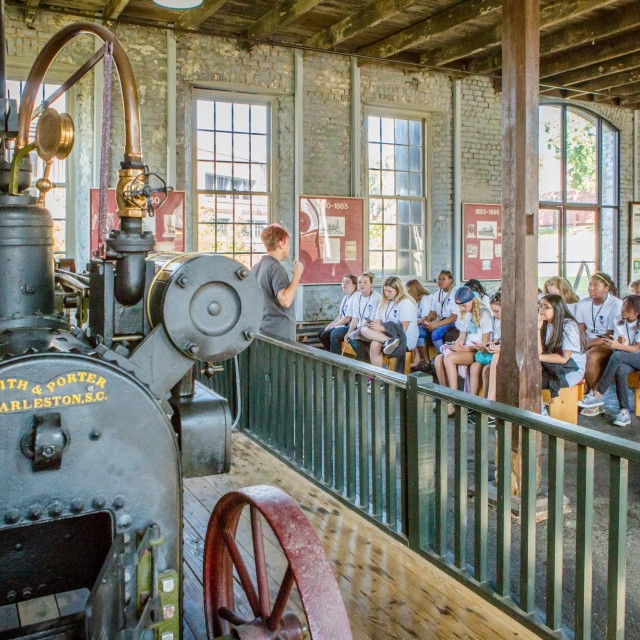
(276, 320)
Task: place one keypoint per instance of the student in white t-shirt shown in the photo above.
(444, 310)
(333, 334)
(396, 319)
(596, 315)
(364, 306)
(423, 300)
(561, 346)
(561, 287)
(625, 344)
(475, 325)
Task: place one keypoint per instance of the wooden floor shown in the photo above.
(389, 591)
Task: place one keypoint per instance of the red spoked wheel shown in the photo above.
(307, 568)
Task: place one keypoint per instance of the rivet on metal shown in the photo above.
(242, 273)
(99, 502)
(27, 593)
(183, 281)
(95, 434)
(11, 596)
(249, 335)
(34, 512)
(192, 348)
(118, 502)
(18, 546)
(55, 509)
(124, 522)
(214, 308)
(77, 505)
(12, 516)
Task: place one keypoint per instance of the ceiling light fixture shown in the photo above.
(178, 4)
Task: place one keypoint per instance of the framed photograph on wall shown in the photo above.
(634, 241)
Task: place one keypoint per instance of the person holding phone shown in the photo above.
(625, 358)
(484, 367)
(475, 325)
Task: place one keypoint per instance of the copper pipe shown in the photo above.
(132, 145)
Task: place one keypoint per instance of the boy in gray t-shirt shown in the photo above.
(278, 293)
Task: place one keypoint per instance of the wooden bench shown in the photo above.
(307, 332)
(633, 382)
(390, 363)
(565, 406)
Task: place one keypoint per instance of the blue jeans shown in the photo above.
(361, 347)
(332, 339)
(437, 335)
(620, 365)
(423, 334)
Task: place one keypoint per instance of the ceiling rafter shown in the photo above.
(30, 10)
(193, 18)
(571, 36)
(550, 16)
(113, 9)
(426, 29)
(279, 17)
(366, 18)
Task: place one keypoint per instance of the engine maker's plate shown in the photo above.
(211, 306)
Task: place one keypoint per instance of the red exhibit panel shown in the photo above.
(167, 223)
(481, 241)
(331, 239)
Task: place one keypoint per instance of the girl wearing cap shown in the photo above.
(561, 346)
(397, 308)
(488, 355)
(423, 299)
(479, 290)
(625, 359)
(561, 287)
(443, 312)
(475, 325)
(333, 334)
(596, 316)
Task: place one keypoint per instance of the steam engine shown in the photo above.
(100, 420)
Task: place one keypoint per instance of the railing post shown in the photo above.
(420, 456)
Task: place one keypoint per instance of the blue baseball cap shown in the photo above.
(464, 295)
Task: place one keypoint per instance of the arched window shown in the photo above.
(579, 186)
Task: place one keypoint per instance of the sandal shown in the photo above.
(451, 409)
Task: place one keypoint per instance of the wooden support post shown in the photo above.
(519, 371)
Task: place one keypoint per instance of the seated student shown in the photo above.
(395, 328)
(561, 287)
(596, 316)
(423, 299)
(333, 334)
(561, 346)
(364, 306)
(488, 355)
(443, 314)
(634, 287)
(475, 325)
(625, 359)
(479, 290)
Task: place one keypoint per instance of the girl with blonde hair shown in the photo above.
(562, 288)
(399, 309)
(423, 300)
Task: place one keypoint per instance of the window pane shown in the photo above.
(402, 132)
(375, 210)
(375, 236)
(232, 218)
(388, 160)
(374, 156)
(608, 238)
(402, 183)
(205, 114)
(402, 158)
(390, 211)
(387, 130)
(415, 158)
(548, 244)
(580, 241)
(415, 132)
(550, 154)
(609, 165)
(581, 158)
(373, 129)
(403, 211)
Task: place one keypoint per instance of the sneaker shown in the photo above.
(590, 412)
(390, 346)
(590, 401)
(543, 412)
(623, 419)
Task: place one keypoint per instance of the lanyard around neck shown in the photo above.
(594, 313)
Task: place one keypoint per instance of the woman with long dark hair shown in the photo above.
(561, 346)
(625, 358)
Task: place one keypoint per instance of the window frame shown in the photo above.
(564, 205)
(220, 95)
(381, 111)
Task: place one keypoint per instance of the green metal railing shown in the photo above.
(382, 443)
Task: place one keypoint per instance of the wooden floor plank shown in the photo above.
(389, 591)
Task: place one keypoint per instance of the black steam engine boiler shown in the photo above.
(100, 419)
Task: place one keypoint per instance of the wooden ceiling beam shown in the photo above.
(625, 91)
(611, 81)
(193, 18)
(113, 9)
(426, 29)
(550, 16)
(572, 36)
(30, 10)
(368, 17)
(597, 71)
(279, 17)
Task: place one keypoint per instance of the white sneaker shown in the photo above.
(543, 412)
(590, 400)
(390, 346)
(623, 419)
